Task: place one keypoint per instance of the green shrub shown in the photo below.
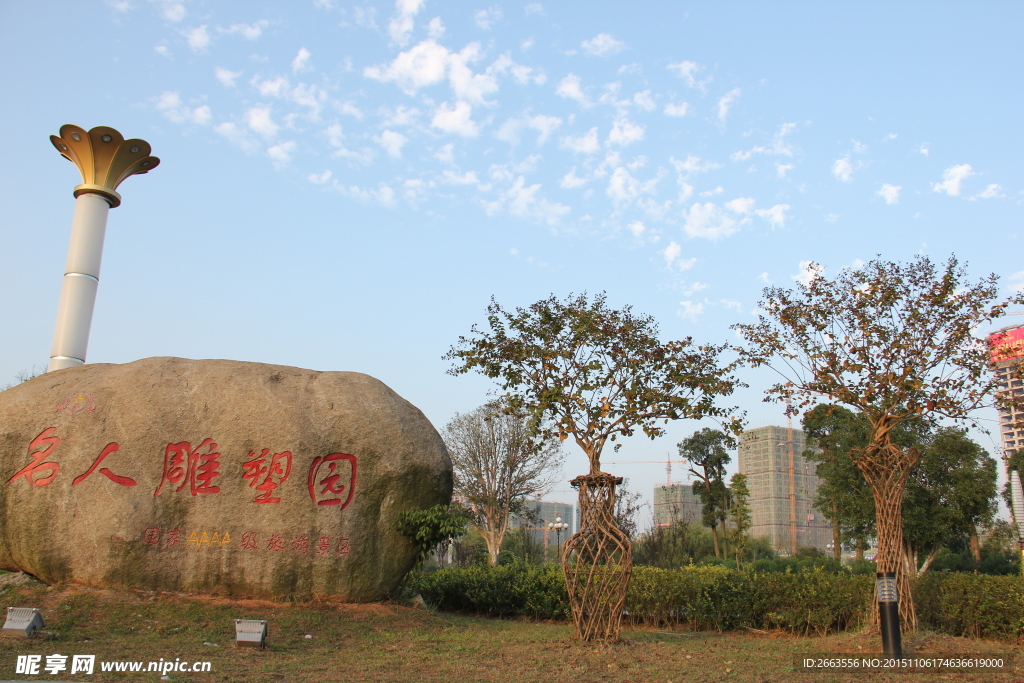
(975, 605)
(816, 601)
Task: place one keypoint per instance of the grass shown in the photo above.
(389, 642)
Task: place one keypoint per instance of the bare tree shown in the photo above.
(498, 464)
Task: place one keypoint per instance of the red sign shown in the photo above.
(326, 487)
(1007, 345)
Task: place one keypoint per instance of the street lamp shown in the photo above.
(558, 525)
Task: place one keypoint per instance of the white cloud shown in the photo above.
(402, 23)
(711, 193)
(637, 228)
(236, 135)
(172, 11)
(924, 148)
(446, 154)
(522, 201)
(400, 116)
(843, 169)
(763, 277)
(301, 61)
(247, 31)
(891, 193)
(625, 132)
(991, 192)
(544, 125)
(782, 169)
(585, 144)
(435, 29)
(319, 178)
(690, 310)
(259, 121)
(571, 181)
(708, 221)
(455, 120)
(198, 38)
(644, 101)
(383, 194)
(1017, 277)
(452, 178)
(419, 67)
(469, 86)
(170, 105)
(391, 142)
(693, 164)
(485, 19)
(776, 215)
(809, 270)
(602, 45)
(571, 88)
(744, 205)
(623, 188)
(726, 101)
(687, 70)
(677, 109)
(951, 179)
(281, 153)
(671, 253)
(226, 76)
(162, 50)
(534, 8)
(780, 145)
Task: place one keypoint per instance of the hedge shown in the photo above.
(814, 602)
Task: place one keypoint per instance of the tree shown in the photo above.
(428, 528)
(705, 450)
(843, 495)
(627, 505)
(895, 342)
(950, 493)
(741, 517)
(498, 464)
(581, 369)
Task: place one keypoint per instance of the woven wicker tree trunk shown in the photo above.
(886, 469)
(597, 561)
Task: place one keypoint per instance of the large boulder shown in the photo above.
(214, 476)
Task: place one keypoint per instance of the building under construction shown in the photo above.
(783, 485)
(676, 503)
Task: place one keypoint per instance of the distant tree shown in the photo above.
(950, 493)
(24, 376)
(627, 506)
(895, 342)
(579, 368)
(844, 497)
(705, 452)
(740, 514)
(499, 464)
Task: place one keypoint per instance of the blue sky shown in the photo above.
(344, 186)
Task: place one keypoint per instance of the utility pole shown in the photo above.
(104, 159)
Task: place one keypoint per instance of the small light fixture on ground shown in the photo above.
(251, 633)
(22, 621)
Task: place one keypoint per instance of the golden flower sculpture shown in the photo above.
(104, 158)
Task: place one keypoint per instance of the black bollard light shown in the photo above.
(889, 614)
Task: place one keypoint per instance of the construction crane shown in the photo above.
(668, 466)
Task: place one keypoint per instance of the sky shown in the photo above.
(344, 186)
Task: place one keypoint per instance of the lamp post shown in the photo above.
(558, 525)
(104, 159)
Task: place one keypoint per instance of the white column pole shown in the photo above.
(81, 279)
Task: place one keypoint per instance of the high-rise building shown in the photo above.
(783, 485)
(548, 512)
(1007, 350)
(676, 502)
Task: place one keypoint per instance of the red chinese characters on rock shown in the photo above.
(325, 481)
(192, 467)
(37, 466)
(273, 474)
(117, 479)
